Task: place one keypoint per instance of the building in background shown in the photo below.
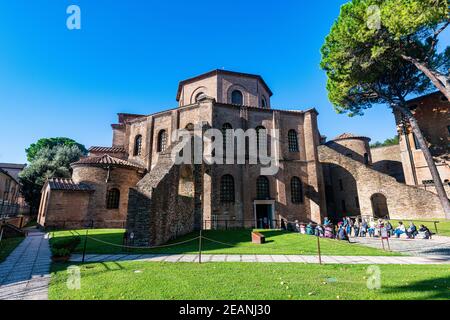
(9, 194)
(432, 112)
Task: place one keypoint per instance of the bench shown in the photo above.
(258, 238)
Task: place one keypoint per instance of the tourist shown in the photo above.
(389, 228)
(329, 231)
(371, 228)
(424, 232)
(302, 229)
(400, 230)
(310, 229)
(356, 227)
(363, 230)
(326, 221)
(379, 226)
(297, 226)
(342, 234)
(349, 226)
(283, 225)
(319, 232)
(412, 231)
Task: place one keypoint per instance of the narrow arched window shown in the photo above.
(261, 138)
(366, 158)
(263, 102)
(113, 199)
(198, 96)
(262, 188)
(296, 190)
(293, 141)
(137, 145)
(162, 141)
(237, 97)
(227, 137)
(227, 189)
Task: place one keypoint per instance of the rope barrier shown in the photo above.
(219, 242)
(134, 247)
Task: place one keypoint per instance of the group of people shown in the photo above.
(361, 227)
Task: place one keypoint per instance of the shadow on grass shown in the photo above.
(438, 288)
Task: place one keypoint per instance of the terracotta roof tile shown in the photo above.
(107, 149)
(106, 160)
(349, 136)
(67, 184)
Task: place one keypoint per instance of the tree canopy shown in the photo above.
(47, 163)
(364, 53)
(49, 143)
(388, 142)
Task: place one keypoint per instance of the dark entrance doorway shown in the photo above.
(264, 216)
(379, 205)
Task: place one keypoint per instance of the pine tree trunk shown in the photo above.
(441, 82)
(428, 158)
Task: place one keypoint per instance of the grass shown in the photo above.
(235, 242)
(7, 246)
(251, 281)
(443, 225)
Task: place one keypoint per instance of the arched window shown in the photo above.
(296, 190)
(262, 188)
(198, 96)
(366, 158)
(293, 141)
(112, 198)
(261, 138)
(227, 189)
(263, 102)
(227, 137)
(237, 98)
(162, 141)
(137, 145)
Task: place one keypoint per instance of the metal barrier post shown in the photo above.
(318, 249)
(200, 247)
(435, 226)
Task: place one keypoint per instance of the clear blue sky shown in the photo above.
(130, 55)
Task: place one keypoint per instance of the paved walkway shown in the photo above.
(25, 274)
(265, 259)
(438, 246)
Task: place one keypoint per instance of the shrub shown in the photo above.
(60, 252)
(69, 243)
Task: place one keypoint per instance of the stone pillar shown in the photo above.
(315, 190)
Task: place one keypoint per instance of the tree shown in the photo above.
(388, 142)
(47, 163)
(411, 29)
(50, 143)
(364, 72)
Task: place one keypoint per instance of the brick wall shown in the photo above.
(403, 201)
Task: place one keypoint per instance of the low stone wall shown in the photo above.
(403, 201)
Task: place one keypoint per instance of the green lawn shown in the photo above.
(251, 281)
(443, 225)
(236, 242)
(7, 246)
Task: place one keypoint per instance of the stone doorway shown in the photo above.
(379, 205)
(264, 214)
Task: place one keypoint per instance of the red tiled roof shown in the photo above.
(349, 136)
(67, 184)
(106, 160)
(107, 149)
